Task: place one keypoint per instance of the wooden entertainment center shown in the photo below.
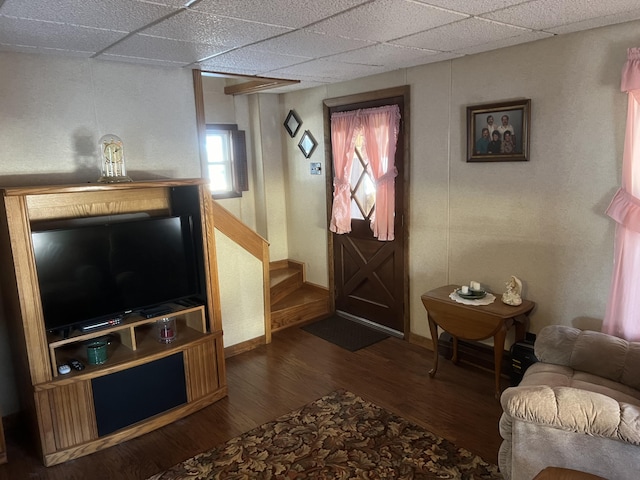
(144, 384)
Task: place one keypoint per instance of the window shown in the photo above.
(226, 161)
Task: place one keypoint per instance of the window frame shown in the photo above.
(238, 163)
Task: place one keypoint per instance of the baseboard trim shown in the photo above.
(420, 341)
(245, 346)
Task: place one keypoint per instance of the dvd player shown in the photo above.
(106, 323)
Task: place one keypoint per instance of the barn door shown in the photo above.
(369, 274)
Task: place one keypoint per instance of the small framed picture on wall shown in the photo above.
(498, 132)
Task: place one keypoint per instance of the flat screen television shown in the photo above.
(91, 273)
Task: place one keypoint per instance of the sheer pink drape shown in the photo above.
(380, 128)
(343, 138)
(622, 317)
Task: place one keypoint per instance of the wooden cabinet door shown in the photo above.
(66, 416)
(201, 367)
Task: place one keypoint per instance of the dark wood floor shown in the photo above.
(297, 368)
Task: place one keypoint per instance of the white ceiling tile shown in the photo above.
(249, 59)
(627, 16)
(308, 44)
(423, 60)
(156, 48)
(382, 54)
(545, 14)
(279, 12)
(384, 20)
(438, 57)
(167, 3)
(473, 31)
(330, 69)
(473, 7)
(505, 42)
(192, 26)
(44, 51)
(345, 38)
(141, 61)
(122, 15)
(32, 33)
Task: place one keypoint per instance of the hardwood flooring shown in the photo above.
(271, 380)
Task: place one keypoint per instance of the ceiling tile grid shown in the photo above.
(192, 26)
(277, 12)
(384, 20)
(253, 60)
(314, 41)
(310, 44)
(380, 54)
(466, 33)
(164, 49)
(108, 14)
(546, 14)
(52, 36)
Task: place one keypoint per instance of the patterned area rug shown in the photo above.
(339, 436)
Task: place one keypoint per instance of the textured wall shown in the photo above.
(54, 110)
(541, 220)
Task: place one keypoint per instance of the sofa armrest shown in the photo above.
(592, 352)
(574, 410)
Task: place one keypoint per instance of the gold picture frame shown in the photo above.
(499, 132)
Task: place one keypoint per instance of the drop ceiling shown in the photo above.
(315, 42)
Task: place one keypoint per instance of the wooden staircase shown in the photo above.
(293, 300)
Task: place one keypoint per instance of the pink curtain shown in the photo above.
(343, 140)
(380, 128)
(622, 317)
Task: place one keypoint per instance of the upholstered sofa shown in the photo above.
(577, 408)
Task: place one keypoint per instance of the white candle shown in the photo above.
(475, 286)
(464, 289)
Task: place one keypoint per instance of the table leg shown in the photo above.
(521, 322)
(433, 328)
(454, 355)
(498, 352)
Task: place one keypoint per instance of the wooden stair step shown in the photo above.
(283, 282)
(280, 275)
(306, 303)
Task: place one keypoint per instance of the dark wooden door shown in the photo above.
(369, 275)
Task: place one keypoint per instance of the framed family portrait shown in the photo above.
(498, 132)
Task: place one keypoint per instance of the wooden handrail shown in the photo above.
(231, 226)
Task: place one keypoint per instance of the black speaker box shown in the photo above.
(127, 397)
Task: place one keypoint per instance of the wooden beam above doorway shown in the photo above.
(253, 84)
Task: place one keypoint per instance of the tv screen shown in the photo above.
(91, 273)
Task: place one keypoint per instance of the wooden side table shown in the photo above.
(474, 322)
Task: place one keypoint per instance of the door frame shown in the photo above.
(337, 102)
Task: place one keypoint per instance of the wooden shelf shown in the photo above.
(128, 341)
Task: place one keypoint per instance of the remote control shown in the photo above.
(76, 364)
